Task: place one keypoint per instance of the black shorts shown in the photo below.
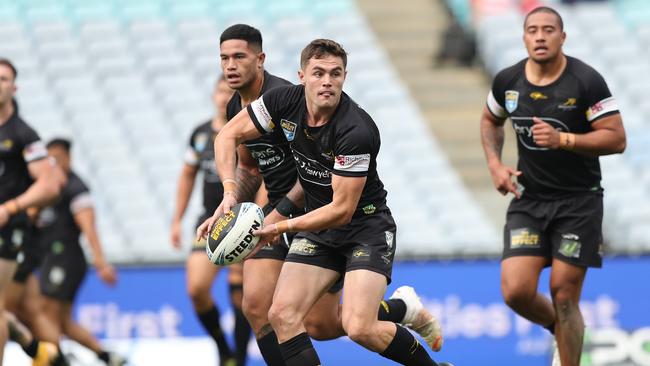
(64, 269)
(367, 242)
(12, 236)
(29, 258)
(567, 229)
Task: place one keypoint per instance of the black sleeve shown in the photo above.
(600, 102)
(231, 107)
(78, 195)
(33, 148)
(271, 107)
(354, 148)
(192, 154)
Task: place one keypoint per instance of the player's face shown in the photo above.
(543, 37)
(240, 64)
(61, 156)
(323, 80)
(221, 96)
(7, 85)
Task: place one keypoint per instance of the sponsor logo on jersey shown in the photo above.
(302, 246)
(523, 128)
(512, 98)
(289, 129)
(369, 209)
(6, 145)
(56, 276)
(538, 95)
(352, 163)
(604, 106)
(17, 237)
(312, 171)
(524, 238)
(267, 156)
(569, 104)
(570, 245)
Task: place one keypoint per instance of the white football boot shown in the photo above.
(418, 318)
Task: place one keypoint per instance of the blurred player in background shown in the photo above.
(301, 285)
(565, 117)
(64, 265)
(26, 179)
(201, 273)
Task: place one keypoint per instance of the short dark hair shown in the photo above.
(320, 48)
(6, 62)
(545, 9)
(60, 142)
(243, 32)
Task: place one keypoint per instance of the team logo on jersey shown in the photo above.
(289, 129)
(6, 145)
(569, 104)
(512, 98)
(537, 95)
(200, 141)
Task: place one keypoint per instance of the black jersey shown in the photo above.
(271, 151)
(57, 223)
(19, 146)
(572, 103)
(200, 154)
(347, 145)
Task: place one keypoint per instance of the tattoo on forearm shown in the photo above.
(493, 138)
(247, 185)
(266, 329)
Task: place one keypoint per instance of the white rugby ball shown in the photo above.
(231, 239)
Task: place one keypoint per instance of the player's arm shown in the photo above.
(84, 217)
(607, 137)
(240, 128)
(247, 175)
(492, 138)
(43, 191)
(346, 194)
(186, 181)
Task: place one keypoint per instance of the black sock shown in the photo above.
(551, 328)
(32, 348)
(298, 351)
(270, 349)
(406, 350)
(242, 328)
(104, 356)
(210, 321)
(392, 310)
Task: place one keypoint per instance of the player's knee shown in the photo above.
(565, 298)
(283, 316)
(321, 329)
(200, 296)
(255, 310)
(359, 332)
(517, 296)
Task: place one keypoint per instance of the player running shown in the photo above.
(565, 117)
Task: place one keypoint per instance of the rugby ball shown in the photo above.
(231, 239)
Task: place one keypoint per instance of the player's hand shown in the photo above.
(502, 178)
(229, 200)
(106, 273)
(268, 234)
(544, 135)
(4, 216)
(175, 234)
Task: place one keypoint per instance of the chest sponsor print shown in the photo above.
(523, 128)
(312, 171)
(267, 156)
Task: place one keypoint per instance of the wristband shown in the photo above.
(567, 140)
(286, 207)
(229, 185)
(11, 206)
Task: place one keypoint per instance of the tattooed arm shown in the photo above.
(492, 137)
(247, 175)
